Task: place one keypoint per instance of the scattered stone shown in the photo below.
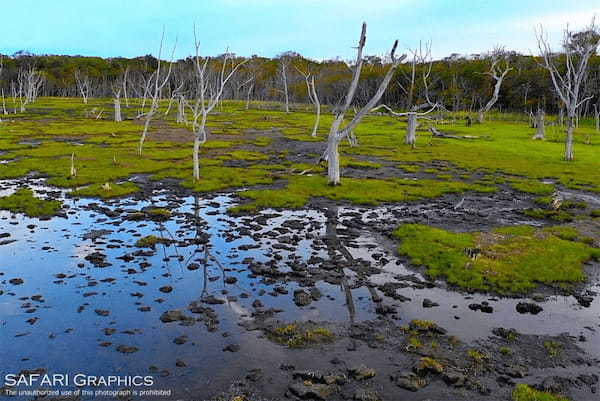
(362, 372)
(232, 348)
(127, 349)
(528, 307)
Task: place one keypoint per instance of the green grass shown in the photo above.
(360, 191)
(523, 392)
(23, 201)
(105, 151)
(512, 259)
(149, 241)
(106, 190)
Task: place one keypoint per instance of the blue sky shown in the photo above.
(319, 29)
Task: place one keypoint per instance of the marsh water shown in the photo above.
(101, 315)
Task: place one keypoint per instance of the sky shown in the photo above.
(318, 29)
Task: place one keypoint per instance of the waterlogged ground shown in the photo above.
(259, 281)
(312, 303)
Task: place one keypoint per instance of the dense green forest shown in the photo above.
(460, 83)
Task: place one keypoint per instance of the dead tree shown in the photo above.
(284, 64)
(208, 93)
(499, 68)
(422, 55)
(312, 97)
(117, 103)
(539, 125)
(83, 85)
(124, 84)
(596, 115)
(155, 84)
(29, 82)
(578, 48)
(2, 89)
(336, 132)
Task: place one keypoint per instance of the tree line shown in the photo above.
(460, 83)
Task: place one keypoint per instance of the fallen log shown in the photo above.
(437, 134)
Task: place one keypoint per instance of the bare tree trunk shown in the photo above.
(248, 97)
(539, 123)
(333, 161)
(285, 88)
(569, 138)
(411, 130)
(180, 110)
(318, 106)
(596, 115)
(118, 117)
(480, 116)
(196, 158)
(145, 131)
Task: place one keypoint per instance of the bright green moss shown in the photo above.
(106, 190)
(149, 241)
(507, 260)
(532, 187)
(361, 191)
(523, 392)
(23, 201)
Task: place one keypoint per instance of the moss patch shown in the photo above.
(507, 260)
(23, 201)
(361, 191)
(523, 392)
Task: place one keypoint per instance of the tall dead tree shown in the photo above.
(2, 89)
(499, 68)
(154, 85)
(336, 132)
(596, 115)
(578, 48)
(312, 97)
(209, 89)
(29, 82)
(284, 65)
(83, 84)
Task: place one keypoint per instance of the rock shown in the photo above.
(516, 371)
(362, 394)
(212, 300)
(254, 375)
(102, 312)
(180, 364)
(410, 382)
(428, 303)
(257, 303)
(16, 281)
(528, 307)
(230, 280)
(454, 379)
(173, 316)
(362, 372)
(428, 365)
(309, 390)
(180, 340)
(507, 334)
(302, 298)
(193, 266)
(584, 300)
(232, 348)
(166, 289)
(127, 349)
